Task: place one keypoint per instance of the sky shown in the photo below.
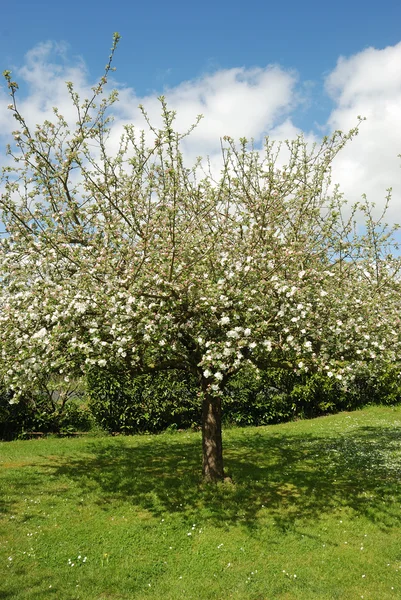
(251, 68)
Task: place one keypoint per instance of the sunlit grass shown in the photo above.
(314, 513)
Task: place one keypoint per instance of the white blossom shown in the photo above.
(40, 334)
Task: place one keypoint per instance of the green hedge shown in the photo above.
(36, 412)
(148, 403)
(116, 403)
(170, 400)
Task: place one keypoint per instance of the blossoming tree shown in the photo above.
(135, 261)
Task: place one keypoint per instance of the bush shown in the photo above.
(148, 403)
(253, 398)
(377, 388)
(153, 403)
(42, 412)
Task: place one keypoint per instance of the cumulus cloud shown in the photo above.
(251, 102)
(369, 84)
(236, 102)
(44, 75)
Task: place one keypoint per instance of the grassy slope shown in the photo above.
(314, 513)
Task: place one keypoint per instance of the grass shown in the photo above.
(314, 513)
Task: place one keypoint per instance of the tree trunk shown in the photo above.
(212, 445)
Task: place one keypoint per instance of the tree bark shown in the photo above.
(212, 445)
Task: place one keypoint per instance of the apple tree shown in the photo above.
(135, 261)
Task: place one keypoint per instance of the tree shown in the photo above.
(134, 261)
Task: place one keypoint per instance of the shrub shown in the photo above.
(45, 411)
(148, 403)
(152, 403)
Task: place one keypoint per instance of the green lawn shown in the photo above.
(314, 513)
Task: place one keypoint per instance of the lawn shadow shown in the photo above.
(310, 476)
(17, 481)
(292, 476)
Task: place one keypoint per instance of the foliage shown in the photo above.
(147, 403)
(381, 388)
(41, 411)
(153, 403)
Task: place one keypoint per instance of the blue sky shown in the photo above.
(218, 56)
(165, 43)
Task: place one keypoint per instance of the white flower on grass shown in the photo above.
(207, 373)
(218, 376)
(225, 320)
(247, 331)
(233, 334)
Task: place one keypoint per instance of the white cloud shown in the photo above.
(45, 79)
(236, 102)
(246, 102)
(369, 84)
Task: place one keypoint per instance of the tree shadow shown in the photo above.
(308, 477)
(293, 477)
(17, 482)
